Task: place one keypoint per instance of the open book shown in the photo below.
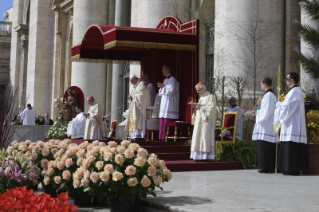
(192, 103)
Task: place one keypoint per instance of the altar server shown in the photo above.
(28, 115)
(150, 87)
(76, 127)
(139, 99)
(94, 121)
(169, 109)
(204, 127)
(264, 132)
(235, 108)
(290, 115)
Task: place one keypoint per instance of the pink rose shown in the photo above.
(60, 165)
(44, 163)
(113, 150)
(78, 174)
(45, 151)
(112, 144)
(130, 170)
(134, 146)
(85, 183)
(84, 144)
(101, 144)
(81, 153)
(57, 180)
(108, 156)
(34, 156)
(139, 161)
(60, 152)
(90, 153)
(109, 168)
(161, 164)
(102, 149)
(120, 149)
(132, 182)
(129, 153)
(23, 147)
(76, 183)
(125, 143)
(54, 151)
(14, 142)
(146, 182)
(119, 159)
(10, 149)
(168, 174)
(95, 143)
(16, 145)
(152, 161)
(90, 159)
(69, 153)
(79, 162)
(86, 175)
(104, 176)
(157, 180)
(50, 171)
(46, 180)
(142, 153)
(95, 177)
(96, 149)
(51, 164)
(99, 165)
(68, 162)
(153, 156)
(117, 176)
(90, 147)
(151, 171)
(75, 150)
(66, 175)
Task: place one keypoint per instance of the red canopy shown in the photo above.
(171, 43)
(128, 43)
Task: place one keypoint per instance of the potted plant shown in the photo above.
(120, 173)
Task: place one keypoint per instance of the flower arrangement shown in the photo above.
(111, 171)
(58, 130)
(21, 199)
(16, 171)
(313, 126)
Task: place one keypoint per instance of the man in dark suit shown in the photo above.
(47, 120)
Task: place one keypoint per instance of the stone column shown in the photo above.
(23, 32)
(90, 77)
(122, 18)
(308, 82)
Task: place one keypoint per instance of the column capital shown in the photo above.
(22, 29)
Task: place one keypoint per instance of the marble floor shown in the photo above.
(242, 190)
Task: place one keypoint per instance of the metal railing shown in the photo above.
(5, 28)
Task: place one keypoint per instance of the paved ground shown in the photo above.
(242, 190)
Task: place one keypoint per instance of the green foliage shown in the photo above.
(311, 7)
(58, 130)
(188, 143)
(245, 152)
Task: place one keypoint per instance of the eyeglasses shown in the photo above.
(287, 79)
(198, 90)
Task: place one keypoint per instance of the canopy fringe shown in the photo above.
(152, 45)
(88, 60)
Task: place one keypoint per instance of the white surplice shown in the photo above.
(94, 123)
(135, 124)
(264, 129)
(239, 127)
(28, 116)
(203, 139)
(291, 115)
(76, 127)
(170, 99)
(152, 90)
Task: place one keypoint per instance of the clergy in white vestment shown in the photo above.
(76, 127)
(290, 116)
(235, 108)
(204, 127)
(169, 108)
(150, 87)
(139, 100)
(94, 121)
(264, 132)
(28, 115)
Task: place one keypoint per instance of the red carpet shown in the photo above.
(176, 156)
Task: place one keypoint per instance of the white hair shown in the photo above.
(133, 77)
(201, 87)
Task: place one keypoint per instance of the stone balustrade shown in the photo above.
(5, 28)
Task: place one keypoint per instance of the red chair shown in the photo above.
(112, 132)
(230, 124)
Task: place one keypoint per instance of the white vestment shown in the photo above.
(135, 124)
(76, 127)
(203, 140)
(152, 90)
(239, 127)
(291, 115)
(170, 99)
(94, 123)
(28, 116)
(264, 129)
